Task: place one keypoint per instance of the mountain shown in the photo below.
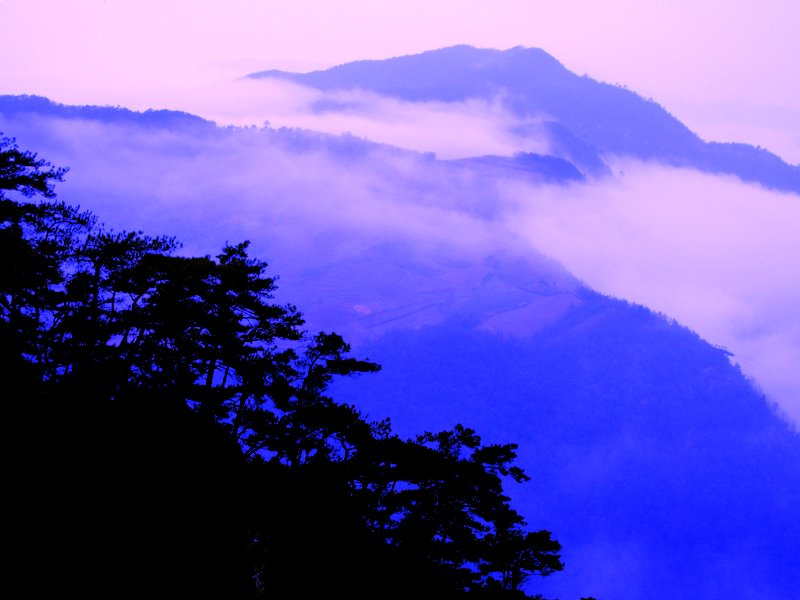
(23, 107)
(585, 121)
(662, 469)
(656, 464)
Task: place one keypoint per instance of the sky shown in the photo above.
(726, 68)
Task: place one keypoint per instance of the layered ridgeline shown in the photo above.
(583, 121)
(659, 467)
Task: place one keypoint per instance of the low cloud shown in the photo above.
(713, 253)
(447, 129)
(717, 255)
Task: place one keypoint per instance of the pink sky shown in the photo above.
(727, 68)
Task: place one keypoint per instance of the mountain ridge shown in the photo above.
(606, 119)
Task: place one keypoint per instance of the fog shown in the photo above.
(447, 129)
(717, 255)
(711, 252)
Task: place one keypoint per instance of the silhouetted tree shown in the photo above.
(178, 439)
(24, 172)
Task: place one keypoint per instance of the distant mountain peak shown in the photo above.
(587, 120)
(450, 66)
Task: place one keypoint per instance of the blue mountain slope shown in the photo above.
(588, 119)
(656, 464)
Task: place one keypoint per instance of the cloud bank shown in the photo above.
(713, 253)
(717, 255)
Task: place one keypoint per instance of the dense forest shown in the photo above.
(173, 434)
